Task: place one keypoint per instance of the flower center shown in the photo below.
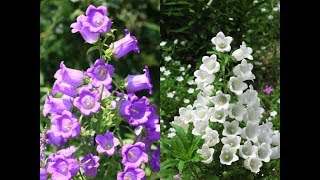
(222, 100)
(230, 129)
(134, 154)
(129, 176)
(222, 45)
(66, 125)
(101, 73)
(88, 102)
(219, 116)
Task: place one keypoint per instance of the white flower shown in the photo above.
(167, 72)
(171, 135)
(201, 100)
(203, 76)
(177, 98)
(278, 101)
(186, 114)
(276, 139)
(167, 58)
(221, 101)
(190, 82)
(263, 47)
(163, 43)
(243, 52)
(170, 94)
(162, 69)
(270, 17)
(206, 153)
(231, 128)
(266, 127)
(222, 43)
(211, 137)
(220, 80)
(162, 79)
(175, 41)
(233, 141)
(172, 130)
(217, 115)
(247, 150)
(251, 132)
(200, 113)
(189, 66)
(210, 64)
(228, 155)
(231, 19)
(199, 127)
(263, 9)
(264, 152)
(190, 90)
(237, 111)
(182, 68)
(206, 89)
(236, 85)
(180, 79)
(253, 164)
(249, 97)
(273, 113)
(275, 152)
(183, 73)
(244, 70)
(181, 122)
(264, 137)
(183, 43)
(254, 113)
(255, 1)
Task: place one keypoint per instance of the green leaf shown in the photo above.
(176, 3)
(194, 145)
(182, 135)
(92, 49)
(196, 158)
(168, 163)
(180, 166)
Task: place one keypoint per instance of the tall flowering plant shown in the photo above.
(224, 132)
(91, 110)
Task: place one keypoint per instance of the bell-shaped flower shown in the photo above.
(247, 150)
(251, 132)
(275, 152)
(264, 152)
(237, 111)
(220, 100)
(244, 70)
(211, 137)
(206, 153)
(217, 115)
(236, 85)
(222, 42)
(210, 64)
(233, 141)
(253, 164)
(243, 52)
(228, 155)
(199, 127)
(231, 128)
(200, 113)
(186, 114)
(203, 76)
(201, 100)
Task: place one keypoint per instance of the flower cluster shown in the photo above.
(83, 102)
(234, 105)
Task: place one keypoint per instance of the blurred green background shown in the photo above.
(57, 43)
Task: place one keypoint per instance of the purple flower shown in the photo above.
(131, 174)
(94, 23)
(125, 45)
(135, 110)
(87, 102)
(155, 160)
(107, 143)
(62, 168)
(133, 155)
(56, 105)
(68, 152)
(153, 134)
(153, 119)
(64, 88)
(100, 73)
(268, 89)
(65, 125)
(91, 165)
(139, 82)
(69, 76)
(55, 140)
(43, 174)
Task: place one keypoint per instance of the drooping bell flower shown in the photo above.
(107, 143)
(139, 82)
(70, 76)
(90, 165)
(125, 45)
(56, 105)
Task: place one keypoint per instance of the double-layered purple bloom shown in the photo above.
(43, 174)
(155, 160)
(153, 134)
(65, 125)
(87, 102)
(62, 168)
(100, 73)
(56, 105)
(139, 82)
(107, 143)
(131, 174)
(55, 140)
(91, 165)
(135, 110)
(133, 155)
(69, 76)
(94, 23)
(125, 45)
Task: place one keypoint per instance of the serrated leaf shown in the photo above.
(92, 49)
(168, 163)
(181, 135)
(194, 146)
(196, 158)
(180, 166)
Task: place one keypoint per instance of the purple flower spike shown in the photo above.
(70, 76)
(55, 140)
(65, 125)
(125, 45)
(268, 89)
(107, 143)
(87, 102)
(64, 88)
(91, 165)
(43, 174)
(155, 160)
(55, 106)
(62, 168)
(89, 37)
(131, 174)
(100, 73)
(135, 110)
(133, 155)
(139, 82)
(97, 21)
